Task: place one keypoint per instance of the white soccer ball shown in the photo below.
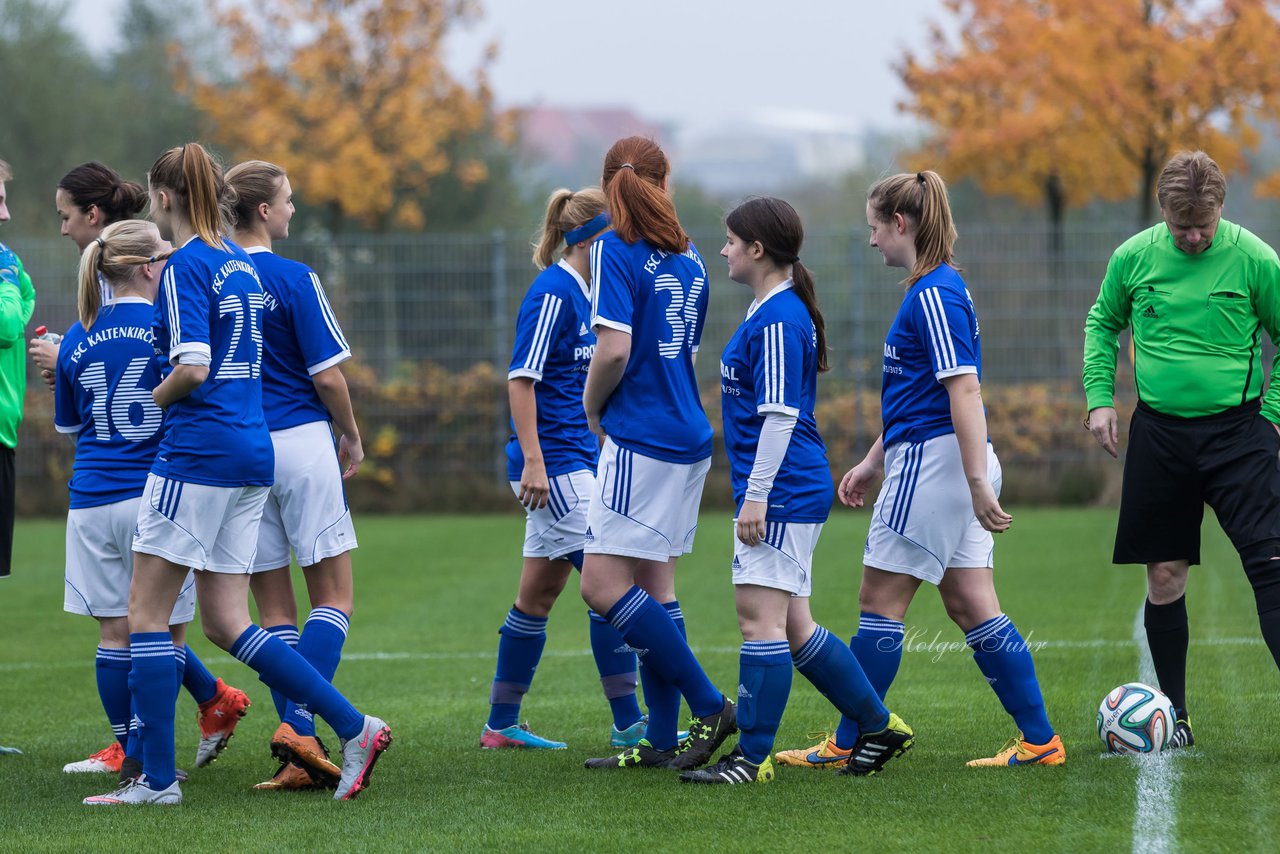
(1135, 718)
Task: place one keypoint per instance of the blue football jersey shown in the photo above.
(933, 336)
(211, 303)
(553, 347)
(771, 365)
(103, 397)
(300, 338)
(660, 300)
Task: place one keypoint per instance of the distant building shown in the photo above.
(569, 143)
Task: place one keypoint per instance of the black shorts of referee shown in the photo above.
(1175, 466)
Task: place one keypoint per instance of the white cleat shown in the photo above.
(136, 791)
(359, 755)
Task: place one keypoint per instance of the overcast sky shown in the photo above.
(693, 61)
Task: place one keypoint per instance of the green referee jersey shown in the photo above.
(17, 302)
(1197, 322)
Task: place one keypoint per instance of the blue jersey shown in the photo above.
(660, 300)
(300, 336)
(771, 365)
(934, 336)
(553, 348)
(210, 305)
(103, 397)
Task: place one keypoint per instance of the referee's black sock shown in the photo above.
(1263, 571)
(1167, 636)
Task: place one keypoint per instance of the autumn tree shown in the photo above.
(354, 99)
(1067, 101)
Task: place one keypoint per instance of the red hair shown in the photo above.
(635, 172)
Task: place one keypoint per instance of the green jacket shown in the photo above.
(17, 302)
(1196, 320)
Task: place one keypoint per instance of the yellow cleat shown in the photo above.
(825, 754)
(290, 777)
(1019, 752)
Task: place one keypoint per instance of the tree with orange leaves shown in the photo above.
(1066, 101)
(353, 98)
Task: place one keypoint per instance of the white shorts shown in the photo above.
(559, 528)
(923, 521)
(100, 563)
(203, 527)
(643, 507)
(306, 510)
(784, 561)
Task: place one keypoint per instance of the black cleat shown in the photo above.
(643, 755)
(732, 768)
(705, 735)
(873, 750)
(1181, 735)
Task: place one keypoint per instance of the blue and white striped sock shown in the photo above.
(321, 645)
(112, 668)
(154, 688)
(1004, 658)
(832, 668)
(764, 683)
(520, 645)
(878, 648)
(288, 633)
(616, 664)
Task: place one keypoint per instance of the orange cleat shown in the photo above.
(1019, 752)
(218, 718)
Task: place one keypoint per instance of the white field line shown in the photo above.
(1154, 816)
(933, 647)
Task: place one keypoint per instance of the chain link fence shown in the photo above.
(430, 319)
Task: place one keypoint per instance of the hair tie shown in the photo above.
(102, 243)
(627, 166)
(151, 260)
(920, 177)
(596, 224)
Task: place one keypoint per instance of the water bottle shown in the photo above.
(43, 333)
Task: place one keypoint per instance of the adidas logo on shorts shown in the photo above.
(588, 536)
(737, 564)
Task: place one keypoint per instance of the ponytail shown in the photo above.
(635, 171)
(775, 225)
(95, 183)
(566, 211)
(113, 255)
(922, 198)
(194, 177)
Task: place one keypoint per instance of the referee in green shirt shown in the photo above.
(1197, 291)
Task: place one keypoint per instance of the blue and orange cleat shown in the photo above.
(1019, 752)
(825, 754)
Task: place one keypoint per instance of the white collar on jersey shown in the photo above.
(254, 250)
(586, 289)
(785, 286)
(134, 300)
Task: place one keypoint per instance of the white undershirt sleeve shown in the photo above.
(775, 436)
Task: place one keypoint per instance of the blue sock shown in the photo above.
(133, 744)
(519, 650)
(321, 645)
(616, 663)
(764, 677)
(661, 696)
(283, 670)
(1003, 657)
(878, 648)
(196, 678)
(650, 630)
(835, 672)
(112, 667)
(154, 688)
(289, 634)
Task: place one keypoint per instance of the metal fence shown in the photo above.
(431, 319)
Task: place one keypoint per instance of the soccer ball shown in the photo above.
(1135, 718)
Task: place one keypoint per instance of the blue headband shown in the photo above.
(582, 232)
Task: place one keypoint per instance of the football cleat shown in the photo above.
(516, 736)
(136, 791)
(732, 768)
(643, 755)
(705, 735)
(825, 754)
(1181, 735)
(304, 750)
(1019, 752)
(105, 761)
(631, 736)
(359, 755)
(872, 750)
(291, 777)
(9, 751)
(218, 718)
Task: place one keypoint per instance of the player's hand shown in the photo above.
(749, 526)
(1105, 427)
(988, 510)
(534, 485)
(855, 483)
(44, 354)
(593, 421)
(350, 455)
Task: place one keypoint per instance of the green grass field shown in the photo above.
(431, 593)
